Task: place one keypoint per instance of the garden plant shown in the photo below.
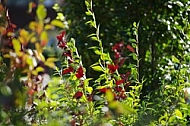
(46, 85)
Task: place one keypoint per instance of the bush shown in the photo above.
(68, 96)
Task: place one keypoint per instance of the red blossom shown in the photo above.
(62, 40)
(62, 45)
(121, 61)
(68, 54)
(122, 95)
(103, 90)
(80, 72)
(118, 82)
(125, 76)
(112, 68)
(118, 89)
(61, 37)
(68, 70)
(118, 46)
(117, 55)
(78, 95)
(130, 48)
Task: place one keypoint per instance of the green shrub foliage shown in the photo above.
(107, 68)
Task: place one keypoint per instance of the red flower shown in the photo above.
(68, 54)
(130, 48)
(103, 90)
(118, 82)
(62, 45)
(80, 73)
(118, 89)
(118, 46)
(112, 68)
(61, 40)
(61, 37)
(68, 70)
(125, 76)
(78, 95)
(117, 55)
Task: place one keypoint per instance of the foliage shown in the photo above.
(119, 92)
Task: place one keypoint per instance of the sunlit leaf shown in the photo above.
(109, 95)
(50, 64)
(33, 25)
(43, 38)
(89, 89)
(174, 59)
(57, 23)
(39, 69)
(41, 12)
(178, 114)
(16, 45)
(51, 59)
(97, 68)
(49, 27)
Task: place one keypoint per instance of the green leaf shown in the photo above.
(41, 12)
(57, 23)
(178, 114)
(97, 68)
(6, 90)
(88, 13)
(87, 3)
(174, 59)
(94, 38)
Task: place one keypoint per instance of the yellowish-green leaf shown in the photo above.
(38, 47)
(109, 95)
(16, 45)
(44, 38)
(178, 114)
(51, 59)
(39, 69)
(33, 25)
(97, 68)
(29, 61)
(33, 39)
(41, 12)
(50, 64)
(89, 89)
(6, 56)
(174, 59)
(34, 72)
(49, 27)
(57, 23)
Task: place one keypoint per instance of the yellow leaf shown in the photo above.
(41, 12)
(51, 59)
(16, 45)
(44, 38)
(89, 89)
(33, 25)
(50, 64)
(39, 69)
(6, 56)
(178, 114)
(49, 27)
(33, 39)
(57, 23)
(109, 96)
